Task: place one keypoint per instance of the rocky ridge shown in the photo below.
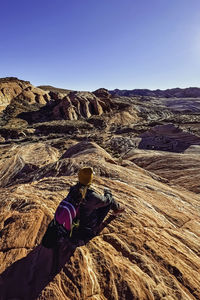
(69, 105)
(12, 88)
(191, 92)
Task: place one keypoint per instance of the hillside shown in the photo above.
(146, 151)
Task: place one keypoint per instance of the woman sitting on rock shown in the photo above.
(83, 210)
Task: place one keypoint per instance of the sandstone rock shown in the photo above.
(20, 161)
(10, 88)
(65, 110)
(102, 93)
(105, 98)
(124, 117)
(34, 95)
(2, 139)
(168, 138)
(84, 148)
(56, 95)
(77, 105)
(179, 169)
(8, 91)
(149, 252)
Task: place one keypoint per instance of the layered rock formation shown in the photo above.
(11, 87)
(180, 169)
(19, 98)
(168, 138)
(149, 252)
(80, 104)
(17, 162)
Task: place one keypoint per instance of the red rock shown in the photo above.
(10, 88)
(149, 252)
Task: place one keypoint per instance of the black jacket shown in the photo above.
(92, 204)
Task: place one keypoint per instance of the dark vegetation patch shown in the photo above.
(62, 126)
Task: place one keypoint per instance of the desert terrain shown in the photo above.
(143, 145)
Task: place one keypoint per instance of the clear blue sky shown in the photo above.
(88, 44)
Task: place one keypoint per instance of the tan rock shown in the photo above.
(8, 91)
(180, 169)
(124, 117)
(65, 109)
(149, 252)
(25, 159)
(87, 148)
(78, 105)
(11, 88)
(2, 139)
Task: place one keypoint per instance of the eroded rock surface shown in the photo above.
(10, 88)
(80, 104)
(18, 162)
(149, 252)
(152, 250)
(179, 169)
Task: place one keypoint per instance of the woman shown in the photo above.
(83, 210)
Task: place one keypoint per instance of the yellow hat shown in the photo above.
(85, 175)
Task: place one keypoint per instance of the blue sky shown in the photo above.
(88, 44)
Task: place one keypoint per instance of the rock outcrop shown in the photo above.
(11, 88)
(180, 169)
(168, 138)
(19, 98)
(80, 104)
(18, 162)
(149, 252)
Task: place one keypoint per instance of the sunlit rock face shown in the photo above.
(80, 104)
(35, 104)
(11, 87)
(18, 162)
(178, 168)
(149, 252)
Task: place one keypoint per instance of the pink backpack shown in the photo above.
(65, 214)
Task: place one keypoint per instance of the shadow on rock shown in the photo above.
(167, 138)
(27, 277)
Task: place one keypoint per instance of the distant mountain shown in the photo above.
(191, 92)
